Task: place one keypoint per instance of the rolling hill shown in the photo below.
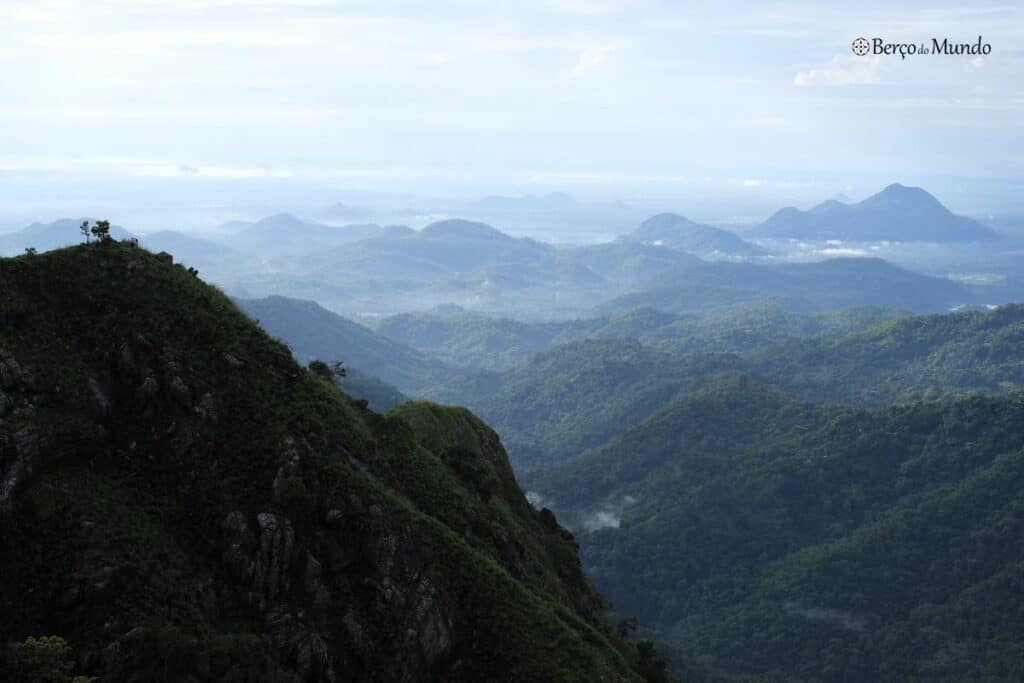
(557, 405)
(781, 541)
(819, 286)
(680, 233)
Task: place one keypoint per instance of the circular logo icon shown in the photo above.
(861, 47)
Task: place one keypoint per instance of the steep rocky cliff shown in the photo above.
(181, 501)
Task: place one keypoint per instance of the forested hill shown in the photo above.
(181, 501)
(784, 541)
(575, 397)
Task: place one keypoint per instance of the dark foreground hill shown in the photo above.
(181, 501)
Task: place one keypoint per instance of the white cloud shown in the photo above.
(842, 71)
(590, 58)
(602, 519)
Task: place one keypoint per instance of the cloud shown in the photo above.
(537, 500)
(590, 58)
(841, 71)
(602, 519)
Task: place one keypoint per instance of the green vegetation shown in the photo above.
(559, 404)
(47, 659)
(182, 499)
(479, 342)
(775, 539)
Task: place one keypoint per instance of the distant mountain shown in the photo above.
(482, 269)
(633, 264)
(676, 232)
(379, 395)
(440, 250)
(287, 233)
(464, 230)
(47, 236)
(897, 213)
(313, 332)
(345, 212)
(467, 263)
(818, 286)
(193, 251)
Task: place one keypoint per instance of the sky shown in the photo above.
(606, 98)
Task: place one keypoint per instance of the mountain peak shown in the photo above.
(458, 227)
(680, 233)
(898, 212)
(667, 219)
(904, 195)
(281, 220)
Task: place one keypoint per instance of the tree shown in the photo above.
(101, 231)
(328, 372)
(47, 659)
(321, 369)
(650, 663)
(626, 626)
(84, 229)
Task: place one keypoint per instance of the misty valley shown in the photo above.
(788, 452)
(547, 341)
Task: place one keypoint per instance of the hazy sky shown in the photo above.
(559, 94)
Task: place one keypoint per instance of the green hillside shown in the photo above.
(480, 342)
(768, 537)
(557, 405)
(182, 501)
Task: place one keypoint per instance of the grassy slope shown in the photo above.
(141, 487)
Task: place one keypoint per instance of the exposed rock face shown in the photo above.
(275, 555)
(11, 373)
(101, 402)
(25, 450)
(19, 447)
(300, 646)
(433, 626)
